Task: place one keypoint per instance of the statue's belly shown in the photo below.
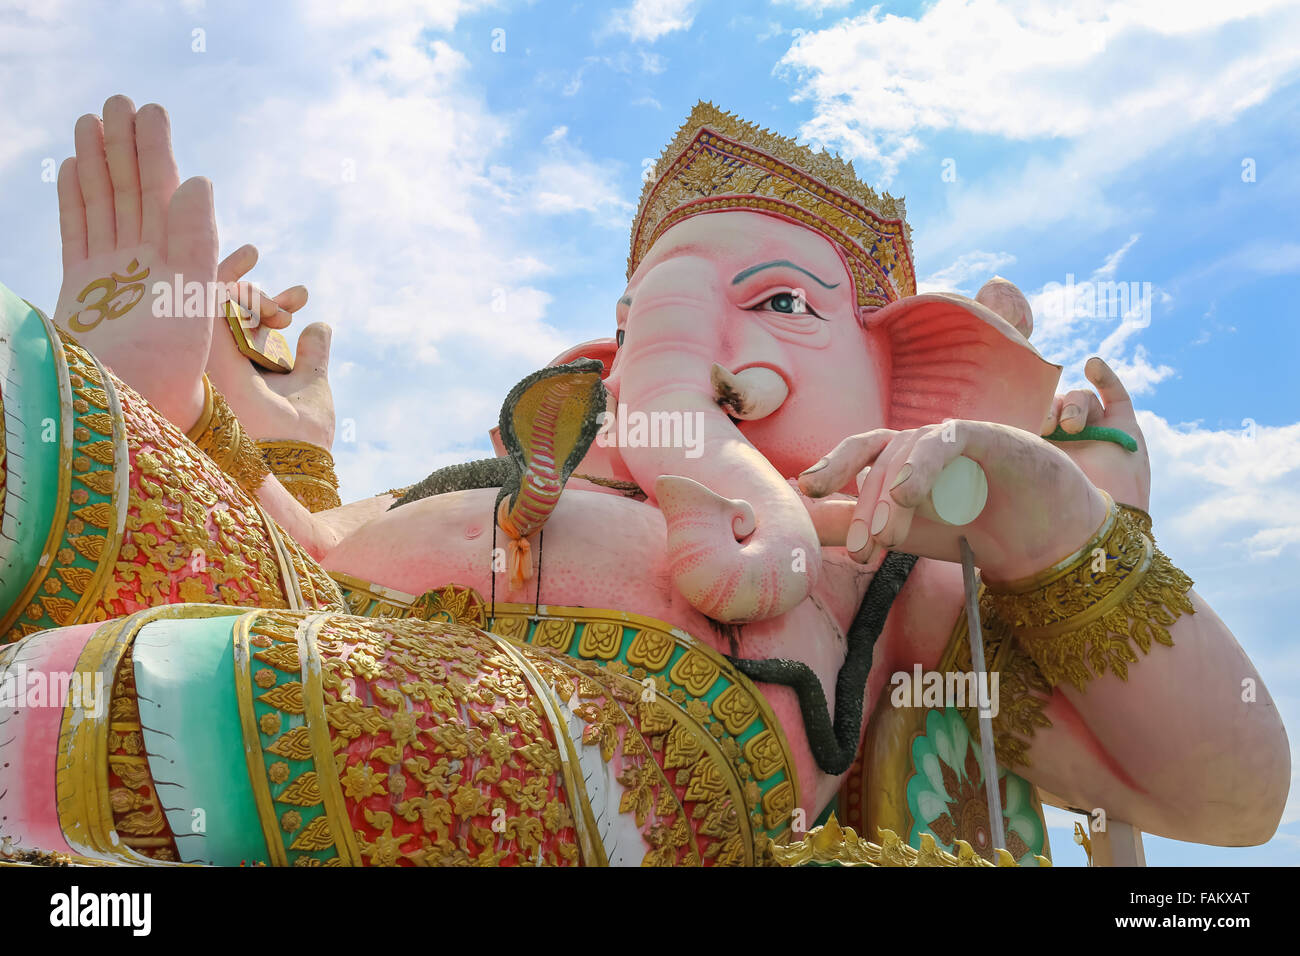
(605, 551)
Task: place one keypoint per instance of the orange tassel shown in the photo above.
(519, 556)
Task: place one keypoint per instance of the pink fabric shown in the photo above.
(28, 765)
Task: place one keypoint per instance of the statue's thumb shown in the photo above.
(313, 355)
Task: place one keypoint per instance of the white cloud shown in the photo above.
(568, 181)
(1137, 373)
(1258, 258)
(1236, 489)
(1101, 314)
(372, 171)
(625, 61)
(978, 265)
(1108, 268)
(365, 20)
(1031, 70)
(817, 7)
(1044, 74)
(651, 19)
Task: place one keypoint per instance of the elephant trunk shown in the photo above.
(741, 546)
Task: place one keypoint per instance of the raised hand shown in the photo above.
(296, 405)
(1126, 475)
(129, 227)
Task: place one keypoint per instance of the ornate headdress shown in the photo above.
(719, 162)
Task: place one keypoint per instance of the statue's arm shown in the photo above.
(1157, 716)
(321, 532)
(1188, 744)
(1181, 739)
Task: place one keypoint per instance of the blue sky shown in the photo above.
(414, 177)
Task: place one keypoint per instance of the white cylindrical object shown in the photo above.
(960, 492)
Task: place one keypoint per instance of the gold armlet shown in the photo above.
(219, 435)
(1076, 618)
(306, 470)
(1139, 517)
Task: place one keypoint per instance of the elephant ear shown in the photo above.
(952, 357)
(548, 423)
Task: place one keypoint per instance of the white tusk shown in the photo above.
(749, 394)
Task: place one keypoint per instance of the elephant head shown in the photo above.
(769, 314)
(741, 323)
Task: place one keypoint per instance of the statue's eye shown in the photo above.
(619, 336)
(787, 303)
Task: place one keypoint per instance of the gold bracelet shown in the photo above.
(219, 435)
(1076, 618)
(306, 470)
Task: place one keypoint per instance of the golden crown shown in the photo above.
(719, 162)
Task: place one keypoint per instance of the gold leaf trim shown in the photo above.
(1077, 624)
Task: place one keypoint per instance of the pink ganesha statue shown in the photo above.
(710, 590)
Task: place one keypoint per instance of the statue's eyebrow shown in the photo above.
(745, 274)
(626, 300)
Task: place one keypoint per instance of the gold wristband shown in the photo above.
(1076, 618)
(306, 470)
(219, 435)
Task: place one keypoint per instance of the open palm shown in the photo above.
(129, 227)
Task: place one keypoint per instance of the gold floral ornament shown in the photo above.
(1139, 517)
(80, 552)
(718, 162)
(1076, 618)
(218, 433)
(137, 810)
(305, 470)
(1022, 690)
(833, 845)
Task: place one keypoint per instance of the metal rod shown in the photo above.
(985, 721)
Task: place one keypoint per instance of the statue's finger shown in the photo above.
(238, 264)
(192, 230)
(96, 187)
(1053, 416)
(279, 319)
(874, 510)
(123, 169)
(1108, 385)
(838, 468)
(159, 178)
(72, 214)
(891, 520)
(292, 299)
(313, 352)
(1080, 408)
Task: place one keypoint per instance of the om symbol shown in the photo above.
(118, 296)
